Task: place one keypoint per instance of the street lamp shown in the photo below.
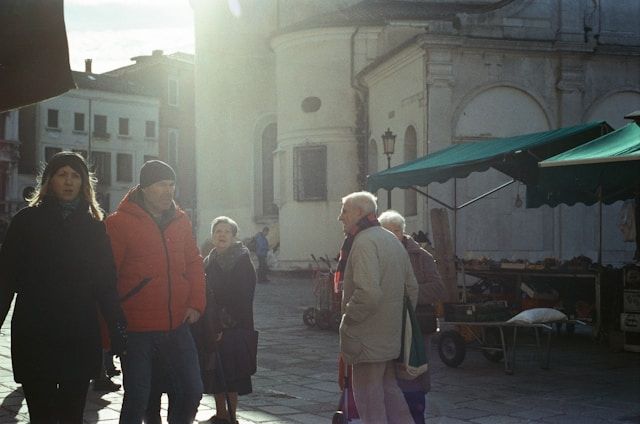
(388, 144)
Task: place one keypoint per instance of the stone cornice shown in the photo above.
(395, 62)
(315, 35)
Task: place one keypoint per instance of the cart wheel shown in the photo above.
(323, 319)
(309, 317)
(452, 348)
(339, 418)
(492, 339)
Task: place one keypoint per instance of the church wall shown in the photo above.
(396, 101)
(495, 92)
(563, 89)
(235, 92)
(314, 64)
(528, 66)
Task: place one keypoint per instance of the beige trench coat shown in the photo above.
(377, 274)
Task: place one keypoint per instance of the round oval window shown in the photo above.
(311, 104)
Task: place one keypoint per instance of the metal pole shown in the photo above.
(90, 134)
(600, 225)
(389, 190)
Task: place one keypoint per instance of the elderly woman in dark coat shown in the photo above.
(226, 326)
(57, 259)
(430, 291)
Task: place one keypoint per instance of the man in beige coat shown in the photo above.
(376, 273)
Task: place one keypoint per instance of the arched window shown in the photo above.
(410, 153)
(269, 144)
(372, 163)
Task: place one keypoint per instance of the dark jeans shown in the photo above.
(263, 269)
(51, 402)
(176, 351)
(159, 385)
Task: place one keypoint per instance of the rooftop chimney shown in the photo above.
(157, 52)
(87, 66)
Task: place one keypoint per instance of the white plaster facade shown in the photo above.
(136, 108)
(511, 68)
(10, 201)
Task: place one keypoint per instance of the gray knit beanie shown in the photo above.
(155, 170)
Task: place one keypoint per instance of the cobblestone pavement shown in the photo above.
(296, 378)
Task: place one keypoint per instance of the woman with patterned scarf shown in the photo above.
(225, 333)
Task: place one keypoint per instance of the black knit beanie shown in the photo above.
(155, 170)
(62, 159)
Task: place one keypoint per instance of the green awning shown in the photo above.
(515, 156)
(610, 163)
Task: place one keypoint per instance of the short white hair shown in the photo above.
(225, 220)
(365, 201)
(392, 217)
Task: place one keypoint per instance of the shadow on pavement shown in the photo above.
(11, 405)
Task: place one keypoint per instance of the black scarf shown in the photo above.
(365, 222)
(67, 208)
(228, 258)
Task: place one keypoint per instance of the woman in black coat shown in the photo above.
(56, 259)
(226, 325)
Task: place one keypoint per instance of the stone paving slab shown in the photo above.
(296, 380)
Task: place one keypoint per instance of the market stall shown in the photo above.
(570, 286)
(602, 171)
(517, 157)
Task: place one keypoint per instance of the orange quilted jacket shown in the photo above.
(160, 272)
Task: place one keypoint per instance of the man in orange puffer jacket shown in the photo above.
(162, 291)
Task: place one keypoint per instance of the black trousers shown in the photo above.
(263, 269)
(56, 403)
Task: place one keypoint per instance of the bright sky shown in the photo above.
(111, 32)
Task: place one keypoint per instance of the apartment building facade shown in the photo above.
(112, 122)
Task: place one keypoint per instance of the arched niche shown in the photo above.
(494, 226)
(613, 107)
(372, 160)
(410, 153)
(500, 111)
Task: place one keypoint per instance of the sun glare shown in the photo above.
(235, 8)
(112, 31)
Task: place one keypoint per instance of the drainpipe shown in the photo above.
(362, 118)
(425, 134)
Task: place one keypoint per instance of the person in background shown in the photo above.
(377, 275)
(104, 382)
(430, 291)
(57, 259)
(262, 250)
(162, 290)
(227, 323)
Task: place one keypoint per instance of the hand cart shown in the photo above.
(326, 313)
(496, 340)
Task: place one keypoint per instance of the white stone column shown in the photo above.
(439, 109)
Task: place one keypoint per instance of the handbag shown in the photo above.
(239, 350)
(427, 319)
(412, 361)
